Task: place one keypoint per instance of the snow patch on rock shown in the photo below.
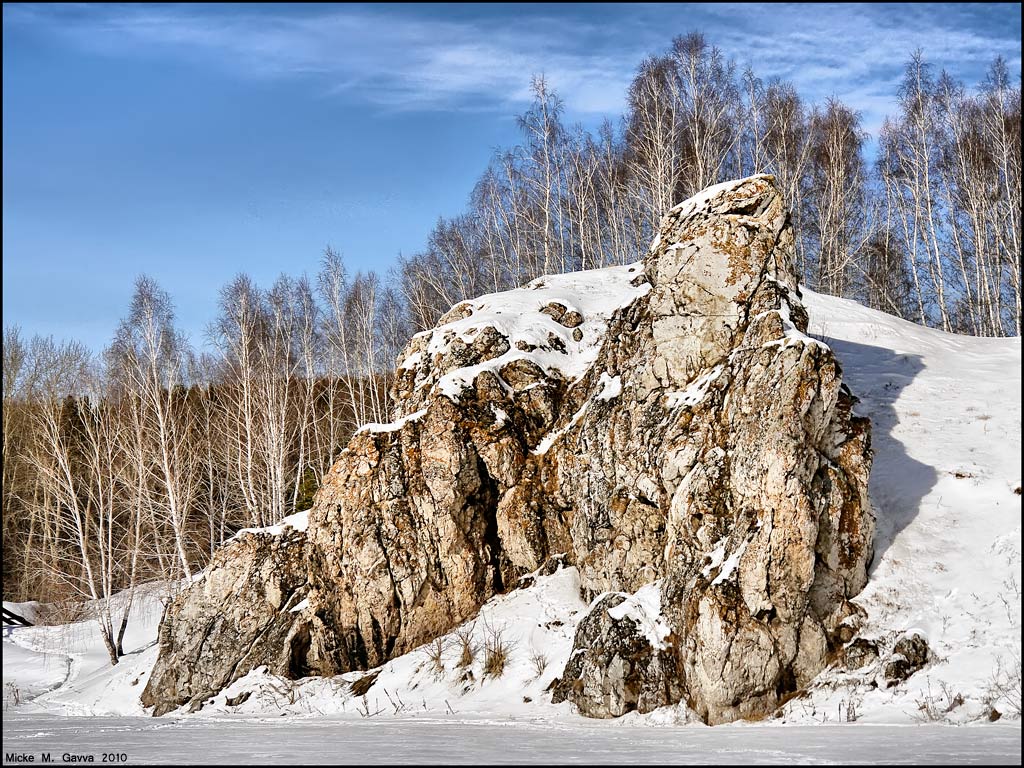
(644, 608)
(565, 351)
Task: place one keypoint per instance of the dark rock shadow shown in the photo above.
(877, 376)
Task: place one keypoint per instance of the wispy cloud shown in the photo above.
(857, 51)
(395, 60)
(399, 60)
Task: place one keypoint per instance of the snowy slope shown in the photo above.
(946, 413)
(65, 668)
(945, 485)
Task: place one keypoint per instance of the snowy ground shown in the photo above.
(66, 669)
(489, 741)
(946, 413)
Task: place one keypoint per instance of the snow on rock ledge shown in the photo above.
(556, 323)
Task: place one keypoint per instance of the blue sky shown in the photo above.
(195, 142)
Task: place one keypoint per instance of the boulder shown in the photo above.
(860, 653)
(909, 654)
(618, 664)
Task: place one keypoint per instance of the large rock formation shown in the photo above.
(667, 422)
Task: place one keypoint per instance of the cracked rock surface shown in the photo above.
(235, 618)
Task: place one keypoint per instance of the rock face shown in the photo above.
(237, 617)
(420, 521)
(665, 426)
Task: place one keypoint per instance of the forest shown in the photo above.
(137, 462)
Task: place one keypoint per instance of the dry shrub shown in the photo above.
(434, 651)
(1003, 690)
(466, 646)
(539, 660)
(933, 707)
(496, 650)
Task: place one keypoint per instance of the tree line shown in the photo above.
(929, 230)
(137, 463)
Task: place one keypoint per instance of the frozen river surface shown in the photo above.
(416, 740)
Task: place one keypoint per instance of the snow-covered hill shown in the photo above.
(945, 485)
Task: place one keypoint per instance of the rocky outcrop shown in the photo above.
(620, 660)
(730, 463)
(910, 653)
(238, 616)
(664, 426)
(422, 520)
